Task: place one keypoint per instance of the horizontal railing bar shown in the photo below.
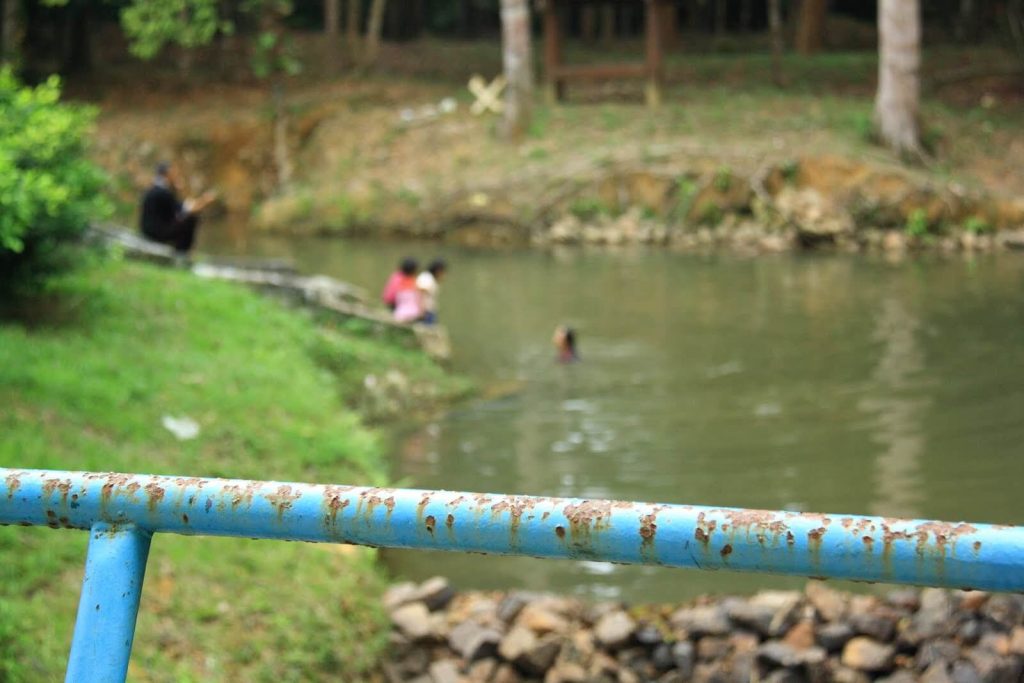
(958, 555)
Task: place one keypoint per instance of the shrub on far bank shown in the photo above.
(49, 190)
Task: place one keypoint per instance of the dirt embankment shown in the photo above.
(766, 172)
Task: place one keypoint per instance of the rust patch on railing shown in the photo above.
(113, 481)
(585, 519)
(648, 532)
(239, 495)
(704, 529)
(282, 500)
(61, 485)
(154, 494)
(761, 522)
(814, 537)
(430, 523)
(515, 506)
(13, 482)
(334, 502)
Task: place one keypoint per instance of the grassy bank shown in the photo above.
(84, 386)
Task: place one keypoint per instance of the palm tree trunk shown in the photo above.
(899, 84)
(515, 30)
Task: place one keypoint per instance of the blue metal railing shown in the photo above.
(123, 511)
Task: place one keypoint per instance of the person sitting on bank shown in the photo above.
(429, 285)
(407, 297)
(398, 280)
(167, 219)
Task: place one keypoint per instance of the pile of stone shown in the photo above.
(818, 635)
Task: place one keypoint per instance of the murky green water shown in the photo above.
(819, 383)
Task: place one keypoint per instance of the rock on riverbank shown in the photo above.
(818, 635)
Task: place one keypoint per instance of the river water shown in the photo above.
(827, 383)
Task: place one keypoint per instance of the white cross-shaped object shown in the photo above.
(488, 97)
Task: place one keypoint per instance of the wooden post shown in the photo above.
(653, 62)
(553, 86)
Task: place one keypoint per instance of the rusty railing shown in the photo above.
(121, 512)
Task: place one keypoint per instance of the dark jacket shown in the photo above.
(161, 212)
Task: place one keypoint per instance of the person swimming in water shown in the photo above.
(565, 341)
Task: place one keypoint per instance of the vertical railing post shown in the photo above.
(105, 626)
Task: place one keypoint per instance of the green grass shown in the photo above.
(120, 346)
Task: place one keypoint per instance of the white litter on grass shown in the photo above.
(183, 428)
(427, 112)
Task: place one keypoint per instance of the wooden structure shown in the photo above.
(557, 73)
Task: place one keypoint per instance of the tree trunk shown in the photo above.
(964, 28)
(1015, 16)
(693, 12)
(670, 29)
(588, 23)
(373, 30)
(899, 85)
(608, 23)
(778, 44)
(465, 11)
(721, 16)
(515, 33)
(746, 15)
(354, 26)
(332, 17)
(810, 29)
(10, 36)
(78, 58)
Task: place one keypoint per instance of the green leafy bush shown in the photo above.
(49, 190)
(977, 225)
(917, 224)
(588, 208)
